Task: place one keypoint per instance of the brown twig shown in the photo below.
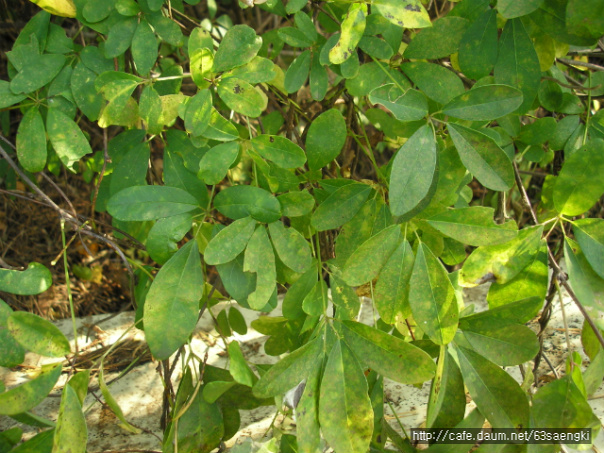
(74, 221)
(106, 160)
(583, 64)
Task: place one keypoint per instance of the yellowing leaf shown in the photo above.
(64, 8)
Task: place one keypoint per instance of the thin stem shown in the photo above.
(588, 113)
(583, 64)
(68, 286)
(568, 345)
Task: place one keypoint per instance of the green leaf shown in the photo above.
(411, 105)
(79, 382)
(201, 64)
(495, 392)
(560, 404)
(259, 70)
(345, 412)
(294, 6)
(389, 356)
(140, 203)
(513, 8)
(113, 404)
(484, 103)
(404, 13)
(589, 233)
(369, 258)
(38, 335)
(432, 297)
(474, 226)
(587, 285)
(482, 157)
(176, 174)
(238, 284)
(502, 262)
(31, 141)
(297, 72)
(260, 259)
(325, 139)
(340, 206)
(230, 241)
(504, 345)
(291, 247)
(319, 81)
(296, 204)
(37, 71)
(215, 163)
(538, 132)
(435, 81)
(66, 137)
(34, 280)
(370, 77)
(297, 292)
(97, 11)
(584, 18)
(280, 150)
(239, 369)
(438, 41)
(165, 234)
(172, 303)
(144, 48)
(11, 352)
(131, 170)
(376, 47)
(307, 412)
(40, 443)
(414, 174)
(306, 25)
(518, 63)
(579, 186)
(237, 321)
(344, 298)
(242, 97)
(71, 433)
(167, 29)
(519, 312)
(127, 7)
(201, 57)
(239, 46)
(198, 112)
(150, 109)
(220, 129)
(7, 97)
(294, 37)
(289, 371)
(241, 201)
(392, 289)
(447, 402)
(26, 396)
(353, 27)
(478, 46)
(84, 92)
(532, 282)
(120, 37)
(315, 302)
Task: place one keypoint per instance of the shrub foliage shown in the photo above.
(311, 152)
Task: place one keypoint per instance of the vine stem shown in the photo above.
(559, 274)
